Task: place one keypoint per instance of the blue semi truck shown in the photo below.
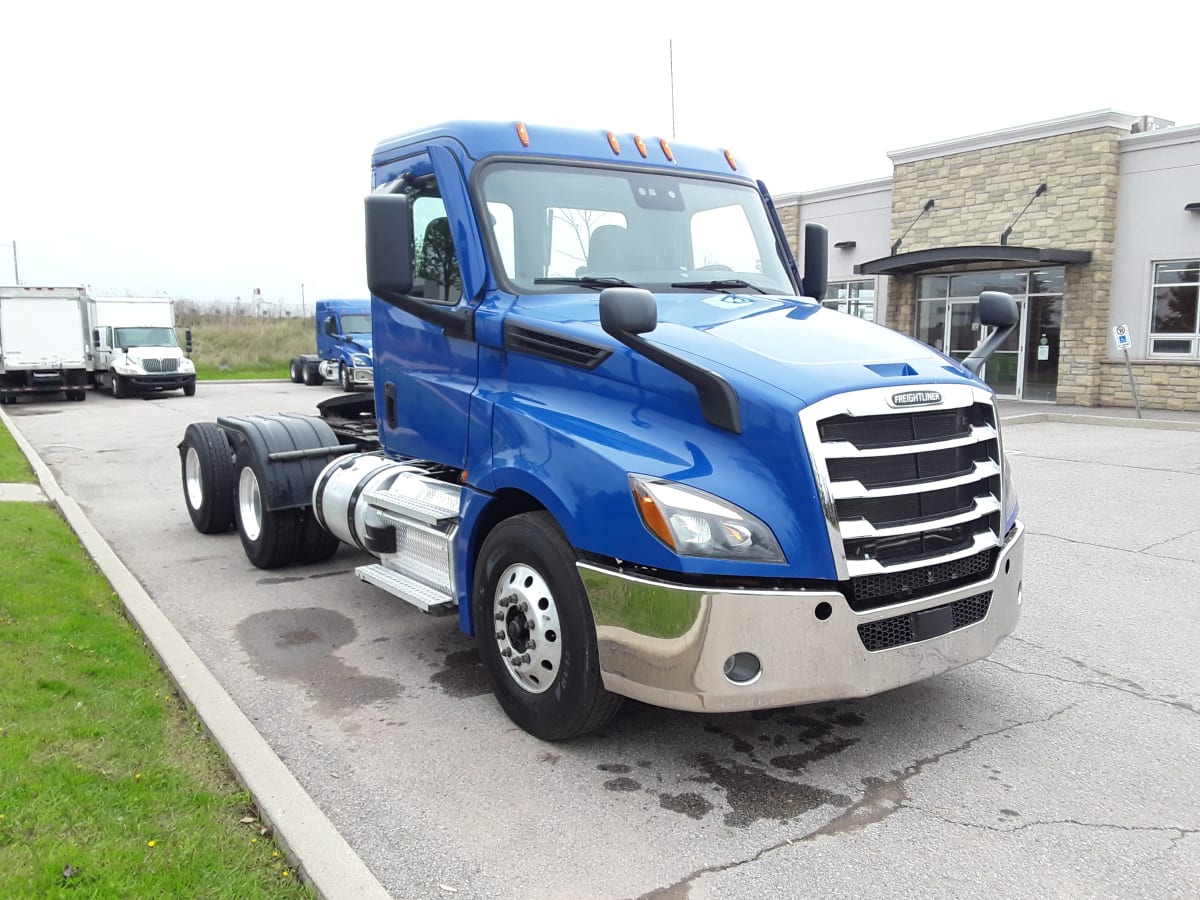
(343, 346)
(615, 433)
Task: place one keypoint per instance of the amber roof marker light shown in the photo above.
(640, 144)
(666, 149)
(523, 134)
(612, 142)
(729, 159)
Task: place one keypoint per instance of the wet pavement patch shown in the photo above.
(753, 794)
(299, 644)
(622, 784)
(691, 805)
(462, 675)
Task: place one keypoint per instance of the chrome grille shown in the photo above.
(160, 365)
(907, 492)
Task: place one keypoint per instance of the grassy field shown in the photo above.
(247, 347)
(13, 466)
(108, 785)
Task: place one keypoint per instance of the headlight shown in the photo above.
(1011, 505)
(361, 361)
(695, 523)
(186, 365)
(127, 367)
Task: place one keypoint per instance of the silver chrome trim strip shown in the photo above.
(846, 450)
(860, 567)
(854, 529)
(855, 490)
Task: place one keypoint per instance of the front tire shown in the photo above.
(270, 537)
(206, 462)
(189, 390)
(528, 600)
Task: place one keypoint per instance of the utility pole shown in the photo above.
(302, 312)
(671, 58)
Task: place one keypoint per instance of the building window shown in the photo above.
(856, 298)
(1173, 319)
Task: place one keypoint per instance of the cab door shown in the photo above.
(424, 378)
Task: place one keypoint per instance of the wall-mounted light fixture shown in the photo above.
(846, 245)
(1191, 207)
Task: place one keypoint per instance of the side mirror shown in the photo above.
(816, 260)
(187, 337)
(996, 310)
(96, 338)
(627, 310)
(389, 245)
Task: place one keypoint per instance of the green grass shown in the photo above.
(13, 466)
(247, 347)
(108, 785)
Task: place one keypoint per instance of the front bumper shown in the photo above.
(170, 382)
(363, 376)
(667, 644)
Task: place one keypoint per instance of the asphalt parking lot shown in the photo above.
(1063, 766)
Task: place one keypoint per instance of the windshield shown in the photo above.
(356, 324)
(559, 227)
(145, 337)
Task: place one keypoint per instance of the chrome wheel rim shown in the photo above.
(192, 478)
(526, 628)
(249, 504)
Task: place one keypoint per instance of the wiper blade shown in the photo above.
(597, 282)
(723, 284)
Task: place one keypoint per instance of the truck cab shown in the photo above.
(622, 440)
(344, 346)
(136, 347)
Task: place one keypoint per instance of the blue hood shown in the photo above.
(795, 345)
(360, 342)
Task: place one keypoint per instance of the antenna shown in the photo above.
(671, 60)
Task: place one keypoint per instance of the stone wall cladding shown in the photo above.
(976, 196)
(1161, 385)
(789, 216)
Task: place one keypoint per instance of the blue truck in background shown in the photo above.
(614, 431)
(343, 346)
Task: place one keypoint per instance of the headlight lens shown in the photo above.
(361, 361)
(127, 367)
(695, 523)
(186, 365)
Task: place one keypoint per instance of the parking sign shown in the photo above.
(1123, 339)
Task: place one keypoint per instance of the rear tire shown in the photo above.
(270, 537)
(316, 544)
(345, 378)
(555, 693)
(119, 389)
(312, 373)
(206, 462)
(296, 370)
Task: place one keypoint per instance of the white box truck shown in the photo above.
(136, 347)
(43, 342)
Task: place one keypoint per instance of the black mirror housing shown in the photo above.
(998, 309)
(389, 245)
(816, 260)
(628, 310)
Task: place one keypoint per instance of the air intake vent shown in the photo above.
(543, 344)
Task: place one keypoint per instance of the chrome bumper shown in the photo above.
(362, 376)
(667, 644)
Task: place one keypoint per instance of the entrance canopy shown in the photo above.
(923, 260)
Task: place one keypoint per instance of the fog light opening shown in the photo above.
(1007, 565)
(823, 610)
(743, 668)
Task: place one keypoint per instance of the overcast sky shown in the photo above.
(202, 154)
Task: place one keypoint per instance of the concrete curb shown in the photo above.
(1084, 419)
(310, 840)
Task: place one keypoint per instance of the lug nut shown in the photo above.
(530, 644)
(523, 606)
(507, 651)
(523, 659)
(499, 634)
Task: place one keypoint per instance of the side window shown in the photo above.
(723, 239)
(435, 265)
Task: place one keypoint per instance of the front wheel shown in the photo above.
(535, 631)
(189, 390)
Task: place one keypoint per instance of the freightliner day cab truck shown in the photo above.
(136, 348)
(618, 435)
(43, 342)
(343, 346)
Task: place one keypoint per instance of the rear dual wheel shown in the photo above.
(206, 461)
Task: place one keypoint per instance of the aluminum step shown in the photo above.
(420, 510)
(427, 599)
